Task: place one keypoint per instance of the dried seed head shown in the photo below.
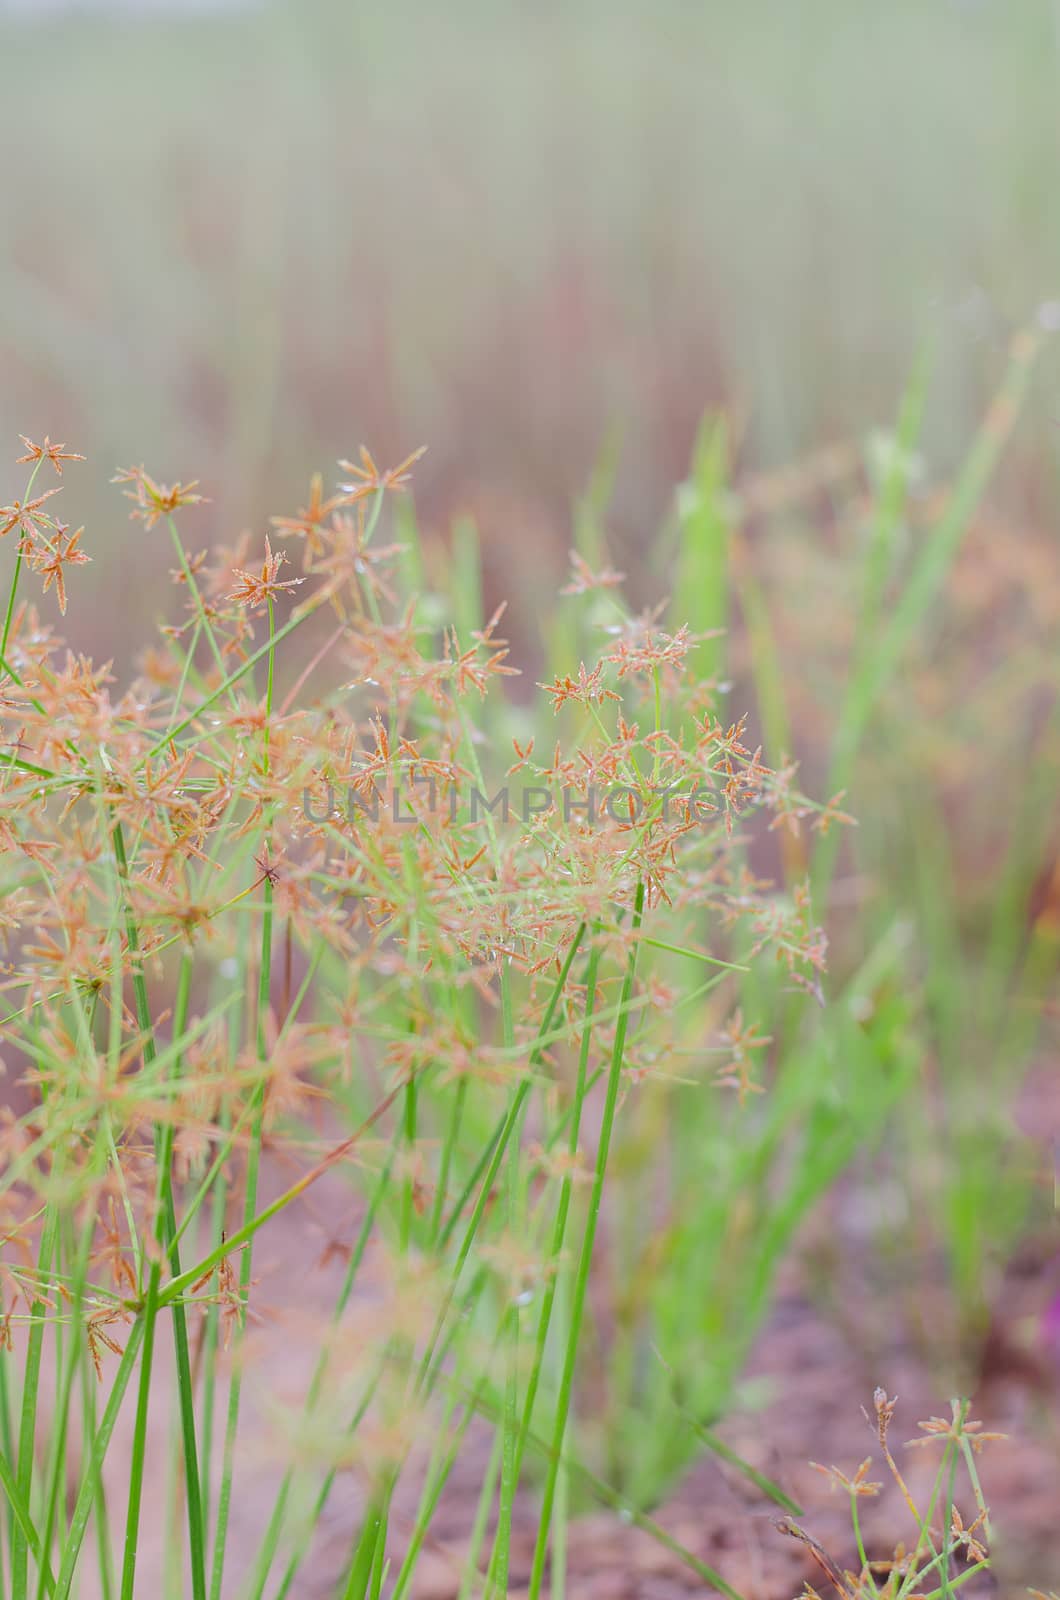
(884, 1409)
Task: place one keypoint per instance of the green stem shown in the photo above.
(510, 1450)
(137, 1460)
(66, 1373)
(233, 677)
(27, 1433)
(581, 1282)
(11, 604)
(185, 1391)
(497, 1146)
(201, 612)
(211, 1341)
(98, 1505)
(271, 1540)
(250, 1196)
(22, 1518)
(90, 1483)
(10, 612)
(559, 1229)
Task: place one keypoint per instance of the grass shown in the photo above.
(937, 1563)
(506, 1088)
(365, 921)
(194, 826)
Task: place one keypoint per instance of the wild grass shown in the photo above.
(233, 916)
(326, 900)
(933, 1561)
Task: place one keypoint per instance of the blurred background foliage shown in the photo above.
(239, 243)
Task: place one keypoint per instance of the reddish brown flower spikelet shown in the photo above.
(55, 453)
(369, 480)
(153, 500)
(256, 589)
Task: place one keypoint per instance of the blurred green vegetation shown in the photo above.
(235, 247)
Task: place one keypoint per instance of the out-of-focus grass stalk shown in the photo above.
(271, 1539)
(883, 644)
(167, 1210)
(137, 1455)
(581, 1281)
(250, 1197)
(88, 1493)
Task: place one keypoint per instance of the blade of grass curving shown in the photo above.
(602, 1491)
(717, 1446)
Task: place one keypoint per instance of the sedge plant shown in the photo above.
(320, 903)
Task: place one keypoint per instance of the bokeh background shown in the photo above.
(240, 240)
(548, 241)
